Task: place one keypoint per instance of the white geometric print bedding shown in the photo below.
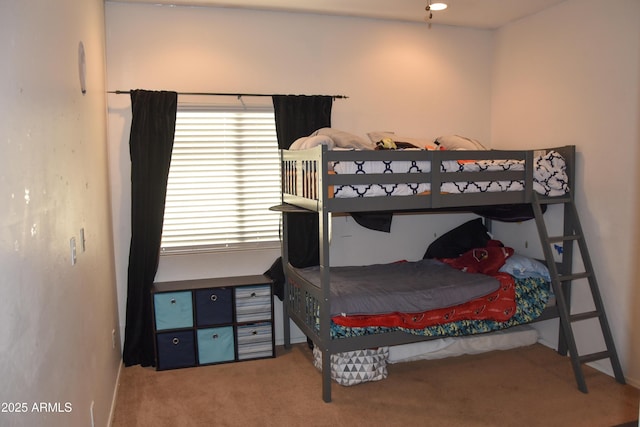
(549, 176)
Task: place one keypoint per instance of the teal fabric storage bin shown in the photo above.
(216, 345)
(173, 310)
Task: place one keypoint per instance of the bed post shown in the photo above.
(286, 328)
(566, 266)
(325, 308)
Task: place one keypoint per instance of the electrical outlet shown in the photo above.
(72, 244)
(113, 339)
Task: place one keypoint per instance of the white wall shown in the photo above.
(400, 77)
(56, 320)
(570, 75)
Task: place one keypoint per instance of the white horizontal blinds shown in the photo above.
(224, 176)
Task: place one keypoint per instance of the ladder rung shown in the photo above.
(594, 356)
(557, 239)
(584, 316)
(575, 276)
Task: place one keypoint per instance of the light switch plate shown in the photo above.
(72, 244)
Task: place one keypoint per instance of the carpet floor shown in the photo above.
(529, 386)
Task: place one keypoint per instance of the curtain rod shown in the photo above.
(239, 95)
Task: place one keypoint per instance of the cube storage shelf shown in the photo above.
(210, 321)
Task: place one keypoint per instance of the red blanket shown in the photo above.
(499, 305)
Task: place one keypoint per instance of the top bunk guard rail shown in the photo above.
(308, 181)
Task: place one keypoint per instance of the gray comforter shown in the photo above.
(406, 287)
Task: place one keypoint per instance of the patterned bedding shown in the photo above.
(550, 177)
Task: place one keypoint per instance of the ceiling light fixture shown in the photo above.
(434, 6)
(438, 6)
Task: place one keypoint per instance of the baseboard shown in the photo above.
(115, 395)
(294, 340)
(633, 382)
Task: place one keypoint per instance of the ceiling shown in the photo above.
(484, 14)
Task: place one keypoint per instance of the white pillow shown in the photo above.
(521, 267)
(457, 142)
(344, 139)
(307, 142)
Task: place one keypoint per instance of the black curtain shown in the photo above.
(297, 116)
(150, 143)
(300, 115)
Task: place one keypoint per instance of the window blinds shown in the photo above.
(224, 176)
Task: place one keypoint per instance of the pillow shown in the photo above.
(457, 142)
(470, 235)
(423, 143)
(307, 142)
(481, 260)
(379, 136)
(521, 267)
(344, 139)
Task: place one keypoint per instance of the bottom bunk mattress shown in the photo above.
(531, 297)
(517, 336)
(406, 287)
(499, 305)
(480, 291)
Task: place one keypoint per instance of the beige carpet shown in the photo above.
(530, 386)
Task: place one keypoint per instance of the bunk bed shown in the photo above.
(324, 181)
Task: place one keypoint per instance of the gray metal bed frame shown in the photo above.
(306, 187)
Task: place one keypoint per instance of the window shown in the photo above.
(224, 176)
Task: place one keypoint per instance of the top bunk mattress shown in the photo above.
(353, 168)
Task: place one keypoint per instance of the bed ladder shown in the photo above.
(562, 277)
